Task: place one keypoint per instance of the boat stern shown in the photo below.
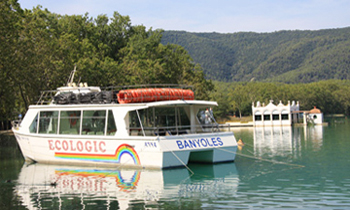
(205, 148)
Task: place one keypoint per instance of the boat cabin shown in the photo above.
(88, 111)
(152, 119)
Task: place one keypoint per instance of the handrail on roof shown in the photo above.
(47, 96)
(123, 87)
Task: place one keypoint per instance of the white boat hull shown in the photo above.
(139, 152)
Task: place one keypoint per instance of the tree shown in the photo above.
(10, 14)
(39, 49)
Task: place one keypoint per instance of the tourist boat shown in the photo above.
(148, 127)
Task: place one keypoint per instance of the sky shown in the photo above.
(221, 16)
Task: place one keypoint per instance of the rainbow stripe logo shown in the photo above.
(123, 149)
(127, 149)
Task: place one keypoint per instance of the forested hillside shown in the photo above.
(284, 56)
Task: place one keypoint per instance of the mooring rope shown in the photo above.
(182, 162)
(260, 158)
(232, 152)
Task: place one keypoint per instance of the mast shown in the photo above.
(71, 76)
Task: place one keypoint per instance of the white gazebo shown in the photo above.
(314, 116)
(275, 115)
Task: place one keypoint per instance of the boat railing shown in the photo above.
(109, 94)
(46, 97)
(16, 123)
(126, 87)
(172, 130)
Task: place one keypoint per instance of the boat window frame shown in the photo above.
(107, 131)
(95, 120)
(109, 118)
(51, 118)
(35, 125)
(180, 121)
(73, 120)
(206, 120)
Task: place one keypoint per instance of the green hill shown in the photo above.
(283, 56)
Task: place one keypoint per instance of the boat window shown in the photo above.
(165, 117)
(94, 122)
(33, 126)
(70, 122)
(159, 121)
(207, 121)
(111, 127)
(205, 116)
(48, 122)
(172, 121)
(165, 121)
(184, 120)
(135, 128)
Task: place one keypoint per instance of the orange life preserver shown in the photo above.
(153, 94)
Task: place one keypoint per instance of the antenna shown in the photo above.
(71, 76)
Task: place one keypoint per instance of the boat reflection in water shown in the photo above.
(42, 186)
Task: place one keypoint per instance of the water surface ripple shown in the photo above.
(278, 168)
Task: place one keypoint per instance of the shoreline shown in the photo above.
(6, 132)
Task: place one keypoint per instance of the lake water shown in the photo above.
(278, 168)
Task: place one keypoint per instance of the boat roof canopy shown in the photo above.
(135, 106)
(82, 95)
(183, 102)
(80, 89)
